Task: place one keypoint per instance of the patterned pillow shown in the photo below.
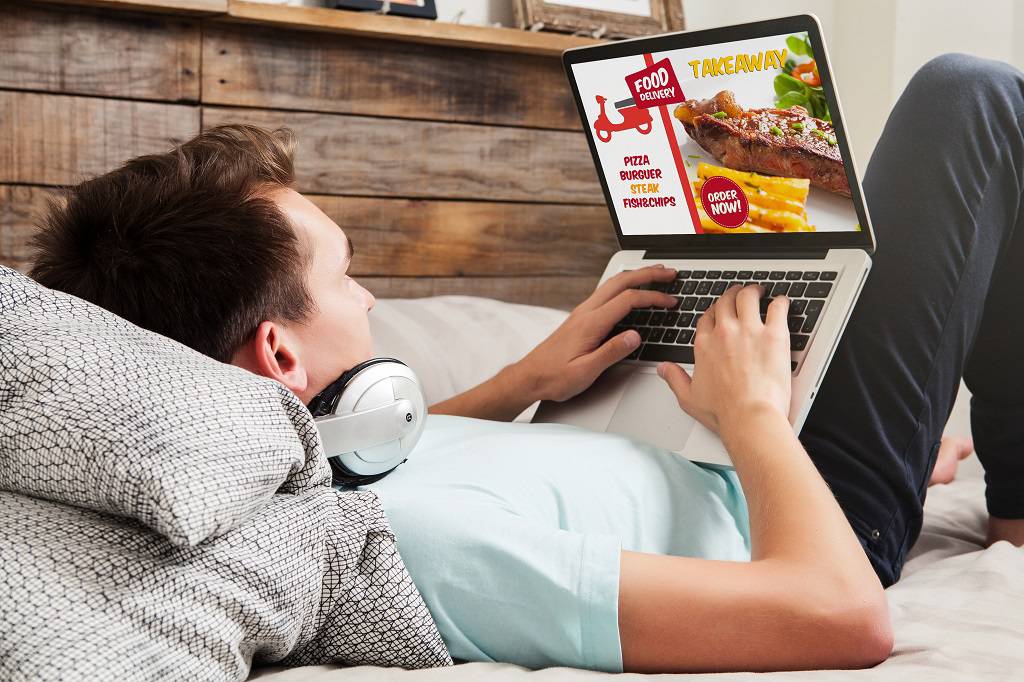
(310, 578)
(99, 413)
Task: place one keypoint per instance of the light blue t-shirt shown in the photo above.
(513, 532)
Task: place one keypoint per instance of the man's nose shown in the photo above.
(371, 300)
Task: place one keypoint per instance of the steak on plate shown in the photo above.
(786, 142)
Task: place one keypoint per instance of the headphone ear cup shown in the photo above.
(369, 419)
(342, 477)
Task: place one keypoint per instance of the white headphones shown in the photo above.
(369, 420)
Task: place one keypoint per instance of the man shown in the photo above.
(605, 553)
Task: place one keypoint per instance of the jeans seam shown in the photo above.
(1020, 176)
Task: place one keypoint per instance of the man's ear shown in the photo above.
(273, 353)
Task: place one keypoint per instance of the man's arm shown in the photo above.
(568, 361)
(809, 597)
(501, 398)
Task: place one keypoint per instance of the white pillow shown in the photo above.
(455, 342)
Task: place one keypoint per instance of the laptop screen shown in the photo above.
(729, 138)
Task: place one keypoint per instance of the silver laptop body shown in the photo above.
(656, 222)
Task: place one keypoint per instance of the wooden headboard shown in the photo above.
(453, 156)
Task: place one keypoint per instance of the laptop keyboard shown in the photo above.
(667, 333)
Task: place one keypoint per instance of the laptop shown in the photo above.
(722, 154)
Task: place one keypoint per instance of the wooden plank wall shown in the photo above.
(453, 170)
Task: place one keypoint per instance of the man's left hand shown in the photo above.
(568, 361)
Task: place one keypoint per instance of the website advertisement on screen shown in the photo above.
(733, 138)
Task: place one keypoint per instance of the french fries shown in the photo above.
(764, 199)
(793, 188)
(710, 226)
(776, 204)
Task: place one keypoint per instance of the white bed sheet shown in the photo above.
(958, 612)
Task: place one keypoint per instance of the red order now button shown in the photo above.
(655, 85)
(724, 201)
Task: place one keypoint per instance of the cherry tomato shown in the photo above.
(808, 73)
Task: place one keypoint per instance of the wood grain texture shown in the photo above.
(675, 16)
(357, 155)
(553, 292)
(21, 208)
(21, 266)
(59, 140)
(259, 67)
(454, 238)
(187, 7)
(398, 238)
(373, 25)
(455, 170)
(665, 15)
(84, 51)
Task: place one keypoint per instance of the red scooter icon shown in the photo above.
(632, 117)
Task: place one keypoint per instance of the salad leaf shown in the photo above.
(819, 106)
(796, 45)
(793, 92)
(792, 98)
(785, 83)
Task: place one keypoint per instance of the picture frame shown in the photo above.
(598, 18)
(422, 9)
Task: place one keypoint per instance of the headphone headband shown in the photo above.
(324, 402)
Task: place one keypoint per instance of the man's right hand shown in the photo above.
(741, 364)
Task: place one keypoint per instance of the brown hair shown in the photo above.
(184, 243)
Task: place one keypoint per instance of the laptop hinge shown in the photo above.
(812, 254)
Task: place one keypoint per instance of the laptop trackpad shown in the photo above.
(649, 412)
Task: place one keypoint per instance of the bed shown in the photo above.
(958, 612)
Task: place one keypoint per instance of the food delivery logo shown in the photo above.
(653, 86)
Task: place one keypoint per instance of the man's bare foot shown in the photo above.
(951, 451)
(1011, 530)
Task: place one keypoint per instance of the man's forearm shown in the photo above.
(807, 600)
(501, 398)
(793, 514)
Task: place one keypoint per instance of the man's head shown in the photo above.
(209, 245)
